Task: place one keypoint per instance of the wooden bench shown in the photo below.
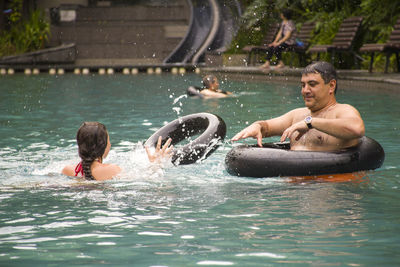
(303, 36)
(255, 49)
(391, 46)
(344, 40)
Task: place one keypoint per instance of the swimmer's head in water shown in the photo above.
(209, 80)
(92, 138)
(325, 69)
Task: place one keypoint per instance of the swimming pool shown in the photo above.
(194, 215)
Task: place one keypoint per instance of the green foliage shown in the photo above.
(24, 35)
(16, 15)
(259, 12)
(259, 15)
(379, 18)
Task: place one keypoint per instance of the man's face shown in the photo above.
(315, 92)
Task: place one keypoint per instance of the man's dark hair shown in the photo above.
(325, 69)
(287, 13)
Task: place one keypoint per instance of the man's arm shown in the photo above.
(347, 125)
(266, 128)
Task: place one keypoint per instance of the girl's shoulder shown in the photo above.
(69, 170)
(105, 171)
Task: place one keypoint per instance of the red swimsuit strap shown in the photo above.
(79, 169)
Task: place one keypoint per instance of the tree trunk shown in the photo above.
(2, 8)
(27, 7)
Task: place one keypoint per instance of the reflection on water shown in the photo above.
(356, 177)
(188, 215)
(167, 219)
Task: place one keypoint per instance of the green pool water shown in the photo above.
(193, 215)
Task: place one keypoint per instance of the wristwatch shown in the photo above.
(308, 121)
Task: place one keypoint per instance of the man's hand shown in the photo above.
(254, 130)
(160, 152)
(297, 130)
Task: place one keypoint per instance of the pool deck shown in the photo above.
(346, 78)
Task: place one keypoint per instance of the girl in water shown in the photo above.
(93, 146)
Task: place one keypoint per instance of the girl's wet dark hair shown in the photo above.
(287, 13)
(325, 69)
(92, 142)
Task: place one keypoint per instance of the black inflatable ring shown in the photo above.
(194, 91)
(276, 159)
(212, 130)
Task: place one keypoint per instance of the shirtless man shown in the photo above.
(323, 125)
(211, 88)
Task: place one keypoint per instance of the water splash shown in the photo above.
(176, 100)
(38, 168)
(177, 110)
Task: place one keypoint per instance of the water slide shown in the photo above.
(213, 23)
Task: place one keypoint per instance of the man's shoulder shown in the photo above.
(298, 114)
(344, 107)
(345, 110)
(300, 111)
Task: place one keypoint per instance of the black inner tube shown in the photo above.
(194, 91)
(212, 130)
(276, 159)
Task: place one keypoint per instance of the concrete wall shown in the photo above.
(44, 4)
(146, 33)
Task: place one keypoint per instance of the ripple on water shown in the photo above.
(149, 233)
(20, 220)
(90, 235)
(199, 211)
(33, 247)
(106, 220)
(15, 229)
(64, 224)
(261, 254)
(215, 263)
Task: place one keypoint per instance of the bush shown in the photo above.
(24, 35)
(379, 18)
